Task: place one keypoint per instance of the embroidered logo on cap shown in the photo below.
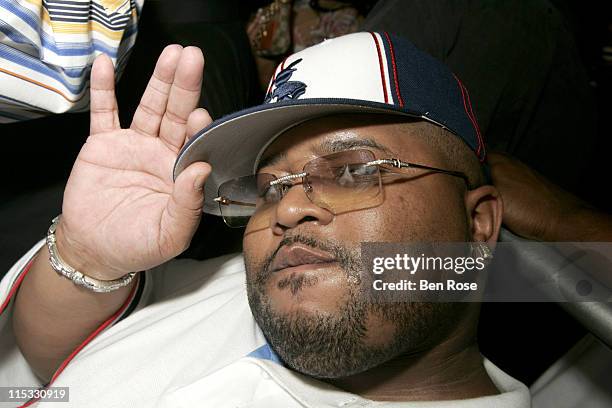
(283, 88)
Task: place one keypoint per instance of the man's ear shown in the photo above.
(484, 208)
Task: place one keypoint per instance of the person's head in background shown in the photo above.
(317, 191)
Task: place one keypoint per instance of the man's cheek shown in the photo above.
(388, 222)
(254, 260)
(257, 246)
(360, 226)
(423, 212)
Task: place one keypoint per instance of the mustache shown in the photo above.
(345, 258)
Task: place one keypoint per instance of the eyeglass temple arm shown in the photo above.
(400, 164)
(227, 201)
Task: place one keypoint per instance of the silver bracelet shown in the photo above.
(80, 279)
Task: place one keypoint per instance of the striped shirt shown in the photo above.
(47, 48)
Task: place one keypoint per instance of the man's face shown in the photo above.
(304, 270)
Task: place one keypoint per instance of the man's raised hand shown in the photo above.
(122, 212)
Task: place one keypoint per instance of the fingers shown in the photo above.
(198, 119)
(150, 111)
(104, 116)
(183, 98)
(184, 209)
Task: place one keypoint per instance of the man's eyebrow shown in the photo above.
(271, 160)
(334, 146)
(328, 147)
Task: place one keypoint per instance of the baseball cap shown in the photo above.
(366, 72)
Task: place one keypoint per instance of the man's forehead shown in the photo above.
(325, 146)
(335, 134)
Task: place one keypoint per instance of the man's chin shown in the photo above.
(317, 288)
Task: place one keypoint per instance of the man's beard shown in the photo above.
(334, 345)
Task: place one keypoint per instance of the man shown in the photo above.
(407, 152)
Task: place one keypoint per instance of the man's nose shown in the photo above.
(296, 208)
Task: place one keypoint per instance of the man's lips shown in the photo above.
(299, 254)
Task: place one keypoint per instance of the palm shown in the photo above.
(122, 193)
(121, 205)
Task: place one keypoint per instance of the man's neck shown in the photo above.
(435, 375)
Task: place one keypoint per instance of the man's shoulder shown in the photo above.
(229, 263)
(182, 276)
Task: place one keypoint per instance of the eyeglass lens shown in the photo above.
(338, 182)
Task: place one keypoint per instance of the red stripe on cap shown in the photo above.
(282, 66)
(397, 89)
(382, 70)
(467, 105)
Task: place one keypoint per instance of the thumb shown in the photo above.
(104, 115)
(184, 209)
(188, 193)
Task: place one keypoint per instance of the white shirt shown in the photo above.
(192, 341)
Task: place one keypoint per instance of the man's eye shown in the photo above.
(354, 173)
(272, 194)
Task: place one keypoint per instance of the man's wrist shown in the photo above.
(78, 258)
